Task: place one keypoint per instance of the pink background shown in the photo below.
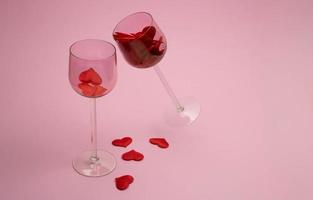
(248, 62)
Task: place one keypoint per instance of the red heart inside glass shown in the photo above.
(143, 45)
(92, 74)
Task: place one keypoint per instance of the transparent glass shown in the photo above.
(92, 74)
(143, 45)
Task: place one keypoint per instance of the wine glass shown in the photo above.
(143, 45)
(92, 74)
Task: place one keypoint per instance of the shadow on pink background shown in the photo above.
(249, 63)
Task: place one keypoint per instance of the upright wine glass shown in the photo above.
(92, 74)
(143, 45)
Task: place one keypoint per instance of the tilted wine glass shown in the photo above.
(143, 45)
(92, 74)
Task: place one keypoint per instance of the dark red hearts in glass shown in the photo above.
(140, 40)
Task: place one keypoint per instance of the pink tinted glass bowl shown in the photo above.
(97, 55)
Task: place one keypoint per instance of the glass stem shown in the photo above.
(93, 118)
(168, 89)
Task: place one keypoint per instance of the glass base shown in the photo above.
(183, 116)
(88, 165)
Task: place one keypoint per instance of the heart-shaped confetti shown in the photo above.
(145, 38)
(160, 142)
(87, 89)
(123, 37)
(124, 142)
(123, 182)
(149, 31)
(99, 90)
(132, 155)
(90, 76)
(91, 90)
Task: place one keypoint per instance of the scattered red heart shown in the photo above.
(123, 182)
(124, 142)
(160, 142)
(132, 155)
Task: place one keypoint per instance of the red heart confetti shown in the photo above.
(91, 90)
(149, 31)
(146, 36)
(141, 49)
(91, 83)
(132, 155)
(161, 142)
(90, 76)
(123, 182)
(95, 77)
(123, 37)
(87, 89)
(124, 142)
(85, 76)
(99, 90)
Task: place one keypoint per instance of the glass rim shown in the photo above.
(136, 13)
(99, 40)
